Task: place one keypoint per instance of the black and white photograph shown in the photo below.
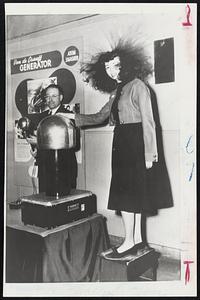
(100, 150)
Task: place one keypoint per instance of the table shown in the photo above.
(67, 253)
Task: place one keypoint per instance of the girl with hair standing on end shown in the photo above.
(123, 73)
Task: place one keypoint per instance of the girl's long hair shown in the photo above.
(134, 64)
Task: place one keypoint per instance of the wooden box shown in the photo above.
(141, 267)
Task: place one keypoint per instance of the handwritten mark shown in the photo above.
(187, 270)
(188, 145)
(189, 148)
(188, 11)
(191, 173)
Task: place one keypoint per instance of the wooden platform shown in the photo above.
(140, 267)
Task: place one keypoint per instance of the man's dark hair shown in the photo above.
(54, 86)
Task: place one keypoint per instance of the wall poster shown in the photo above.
(31, 73)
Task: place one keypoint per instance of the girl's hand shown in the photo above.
(67, 117)
(149, 164)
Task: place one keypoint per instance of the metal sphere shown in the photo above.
(54, 132)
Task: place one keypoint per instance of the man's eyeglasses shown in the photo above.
(51, 97)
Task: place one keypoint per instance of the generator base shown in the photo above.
(45, 211)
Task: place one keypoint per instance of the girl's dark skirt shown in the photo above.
(134, 188)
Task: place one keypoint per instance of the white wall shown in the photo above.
(164, 229)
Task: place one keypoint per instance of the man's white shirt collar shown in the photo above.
(54, 110)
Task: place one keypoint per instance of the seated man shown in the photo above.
(53, 96)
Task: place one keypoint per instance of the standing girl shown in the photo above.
(123, 73)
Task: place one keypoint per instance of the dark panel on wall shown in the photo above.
(67, 81)
(164, 60)
(21, 97)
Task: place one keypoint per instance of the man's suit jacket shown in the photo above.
(37, 117)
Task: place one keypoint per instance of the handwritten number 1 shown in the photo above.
(187, 270)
